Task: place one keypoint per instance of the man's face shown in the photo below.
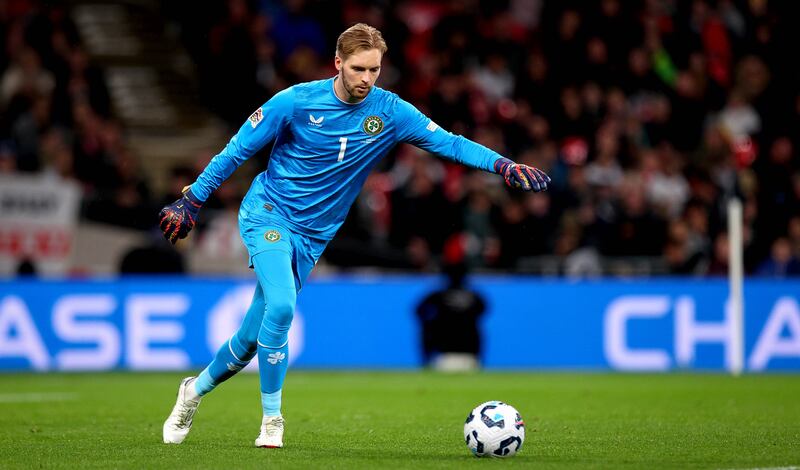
(359, 71)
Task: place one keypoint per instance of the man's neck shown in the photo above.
(341, 93)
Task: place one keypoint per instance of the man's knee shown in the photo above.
(280, 310)
(277, 319)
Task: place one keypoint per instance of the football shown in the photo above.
(494, 429)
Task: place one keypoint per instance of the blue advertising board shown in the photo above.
(150, 323)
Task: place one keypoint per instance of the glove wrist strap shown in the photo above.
(189, 195)
(501, 164)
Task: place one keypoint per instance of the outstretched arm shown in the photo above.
(417, 129)
(178, 219)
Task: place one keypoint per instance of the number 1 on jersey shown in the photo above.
(342, 148)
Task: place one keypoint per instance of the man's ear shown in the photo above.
(337, 61)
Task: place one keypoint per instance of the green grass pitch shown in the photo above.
(405, 420)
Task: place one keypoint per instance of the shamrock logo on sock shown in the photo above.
(276, 357)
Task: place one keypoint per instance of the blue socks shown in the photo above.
(230, 359)
(272, 366)
(271, 402)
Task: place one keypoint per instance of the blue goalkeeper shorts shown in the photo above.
(261, 232)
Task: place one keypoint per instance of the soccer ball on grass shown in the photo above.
(494, 429)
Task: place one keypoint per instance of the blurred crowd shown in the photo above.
(56, 116)
(649, 116)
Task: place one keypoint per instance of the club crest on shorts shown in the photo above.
(272, 236)
(373, 125)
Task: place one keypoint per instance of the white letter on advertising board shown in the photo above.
(141, 330)
(18, 334)
(785, 314)
(69, 327)
(618, 313)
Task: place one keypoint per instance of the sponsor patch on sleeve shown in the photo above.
(256, 117)
(432, 126)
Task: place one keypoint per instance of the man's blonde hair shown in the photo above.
(359, 37)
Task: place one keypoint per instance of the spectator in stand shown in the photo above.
(605, 170)
(56, 154)
(678, 254)
(781, 262)
(720, 258)
(794, 235)
(27, 133)
(8, 158)
(24, 80)
(667, 188)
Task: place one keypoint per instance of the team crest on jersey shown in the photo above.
(256, 117)
(373, 125)
(272, 236)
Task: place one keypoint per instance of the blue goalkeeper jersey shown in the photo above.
(324, 149)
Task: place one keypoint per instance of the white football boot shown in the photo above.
(271, 435)
(179, 422)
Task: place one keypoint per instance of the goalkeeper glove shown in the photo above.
(178, 218)
(525, 177)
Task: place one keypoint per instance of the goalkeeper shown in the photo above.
(327, 135)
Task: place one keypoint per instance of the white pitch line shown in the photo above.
(35, 397)
(768, 468)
